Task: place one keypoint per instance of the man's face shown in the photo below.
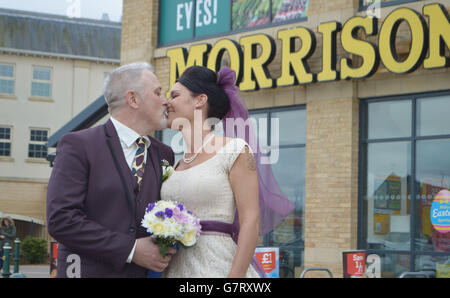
(153, 105)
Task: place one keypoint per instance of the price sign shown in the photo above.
(268, 257)
(354, 263)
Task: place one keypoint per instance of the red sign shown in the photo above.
(54, 250)
(53, 259)
(267, 260)
(354, 263)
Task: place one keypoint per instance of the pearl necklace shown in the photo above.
(191, 159)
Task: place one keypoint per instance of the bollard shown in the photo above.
(6, 260)
(16, 255)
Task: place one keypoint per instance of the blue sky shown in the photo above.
(91, 9)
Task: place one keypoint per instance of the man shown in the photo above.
(104, 178)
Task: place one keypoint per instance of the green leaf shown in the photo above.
(163, 248)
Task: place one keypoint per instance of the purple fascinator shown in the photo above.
(274, 205)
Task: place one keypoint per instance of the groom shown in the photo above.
(104, 178)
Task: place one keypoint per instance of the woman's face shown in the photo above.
(181, 106)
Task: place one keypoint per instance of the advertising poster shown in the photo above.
(181, 19)
(381, 224)
(388, 193)
(381, 194)
(268, 257)
(395, 186)
(443, 270)
(285, 10)
(250, 13)
(429, 190)
(354, 263)
(440, 212)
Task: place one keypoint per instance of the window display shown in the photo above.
(405, 166)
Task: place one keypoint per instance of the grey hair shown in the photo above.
(122, 79)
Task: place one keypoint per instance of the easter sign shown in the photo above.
(440, 212)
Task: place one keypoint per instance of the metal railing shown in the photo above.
(316, 269)
(423, 274)
(7, 260)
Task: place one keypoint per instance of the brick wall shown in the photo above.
(139, 30)
(26, 198)
(331, 181)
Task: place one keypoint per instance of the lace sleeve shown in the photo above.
(232, 150)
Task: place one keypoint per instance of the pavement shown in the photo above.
(33, 271)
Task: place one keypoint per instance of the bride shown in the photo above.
(217, 179)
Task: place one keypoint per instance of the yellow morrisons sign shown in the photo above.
(251, 67)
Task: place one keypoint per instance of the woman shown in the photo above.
(7, 234)
(217, 178)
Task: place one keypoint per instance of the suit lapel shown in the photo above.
(123, 169)
(151, 184)
(152, 176)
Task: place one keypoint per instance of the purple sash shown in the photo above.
(226, 228)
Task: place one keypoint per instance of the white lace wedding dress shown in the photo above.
(206, 191)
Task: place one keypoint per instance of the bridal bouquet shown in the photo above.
(171, 224)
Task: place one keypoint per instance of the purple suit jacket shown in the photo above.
(94, 208)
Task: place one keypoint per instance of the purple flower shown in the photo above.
(181, 207)
(169, 212)
(190, 212)
(160, 214)
(150, 207)
(180, 217)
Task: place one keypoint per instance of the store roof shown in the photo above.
(86, 118)
(53, 35)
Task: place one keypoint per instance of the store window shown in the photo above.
(5, 141)
(196, 19)
(282, 134)
(289, 172)
(405, 143)
(6, 79)
(41, 85)
(37, 147)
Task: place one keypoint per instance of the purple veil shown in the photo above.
(274, 205)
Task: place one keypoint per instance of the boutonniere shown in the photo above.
(167, 170)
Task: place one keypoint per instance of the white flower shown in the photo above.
(171, 221)
(189, 237)
(167, 170)
(162, 205)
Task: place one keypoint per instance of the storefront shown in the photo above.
(360, 91)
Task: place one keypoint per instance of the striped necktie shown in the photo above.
(138, 163)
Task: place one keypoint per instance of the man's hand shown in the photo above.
(148, 255)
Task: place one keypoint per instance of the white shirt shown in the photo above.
(128, 138)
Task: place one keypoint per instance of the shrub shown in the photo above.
(34, 250)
